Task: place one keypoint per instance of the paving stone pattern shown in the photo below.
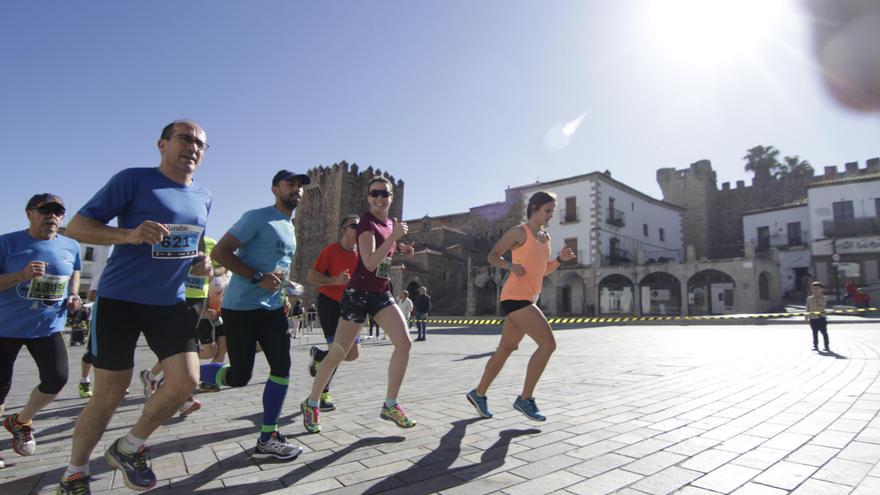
(632, 410)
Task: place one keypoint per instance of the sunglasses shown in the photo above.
(350, 226)
(52, 209)
(380, 193)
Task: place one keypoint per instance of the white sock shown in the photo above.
(84, 380)
(129, 444)
(71, 470)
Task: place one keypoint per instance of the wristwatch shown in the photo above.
(256, 277)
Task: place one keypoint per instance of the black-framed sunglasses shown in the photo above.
(188, 140)
(380, 193)
(50, 209)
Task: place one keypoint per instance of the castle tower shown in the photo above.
(693, 189)
(335, 192)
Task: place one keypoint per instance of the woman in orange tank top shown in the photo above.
(530, 261)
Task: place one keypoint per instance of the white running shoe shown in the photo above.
(149, 384)
(190, 406)
(278, 448)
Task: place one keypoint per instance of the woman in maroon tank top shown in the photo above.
(369, 294)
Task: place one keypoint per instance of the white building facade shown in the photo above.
(631, 259)
(94, 260)
(845, 221)
(785, 229)
(608, 225)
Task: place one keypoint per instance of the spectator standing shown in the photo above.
(423, 308)
(406, 307)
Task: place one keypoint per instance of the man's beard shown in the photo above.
(291, 202)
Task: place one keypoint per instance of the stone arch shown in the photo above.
(485, 293)
(616, 295)
(660, 294)
(710, 292)
(487, 298)
(570, 294)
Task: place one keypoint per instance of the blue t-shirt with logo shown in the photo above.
(143, 273)
(267, 245)
(36, 308)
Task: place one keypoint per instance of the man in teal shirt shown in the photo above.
(258, 250)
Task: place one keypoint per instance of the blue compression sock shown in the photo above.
(273, 398)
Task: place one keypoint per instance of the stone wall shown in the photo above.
(441, 274)
(440, 237)
(446, 270)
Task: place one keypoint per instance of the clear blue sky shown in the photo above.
(455, 97)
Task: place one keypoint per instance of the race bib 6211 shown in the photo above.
(181, 242)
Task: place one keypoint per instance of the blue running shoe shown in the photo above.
(135, 472)
(529, 408)
(480, 403)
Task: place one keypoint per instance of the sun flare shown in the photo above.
(709, 32)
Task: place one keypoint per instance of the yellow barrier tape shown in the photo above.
(567, 320)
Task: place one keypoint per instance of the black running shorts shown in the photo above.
(357, 304)
(510, 305)
(169, 330)
(205, 331)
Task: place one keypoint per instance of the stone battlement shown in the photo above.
(702, 171)
(343, 167)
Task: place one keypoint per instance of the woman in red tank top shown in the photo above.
(530, 261)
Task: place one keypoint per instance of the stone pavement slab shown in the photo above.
(743, 409)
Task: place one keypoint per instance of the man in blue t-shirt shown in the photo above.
(39, 281)
(161, 214)
(258, 250)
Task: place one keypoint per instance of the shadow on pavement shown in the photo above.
(832, 354)
(211, 472)
(438, 463)
(475, 356)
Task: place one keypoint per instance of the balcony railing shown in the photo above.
(851, 227)
(570, 215)
(783, 241)
(615, 217)
(617, 257)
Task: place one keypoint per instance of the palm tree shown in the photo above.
(763, 161)
(798, 167)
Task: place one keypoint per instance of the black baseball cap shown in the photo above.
(288, 175)
(42, 199)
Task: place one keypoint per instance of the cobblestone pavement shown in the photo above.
(632, 410)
